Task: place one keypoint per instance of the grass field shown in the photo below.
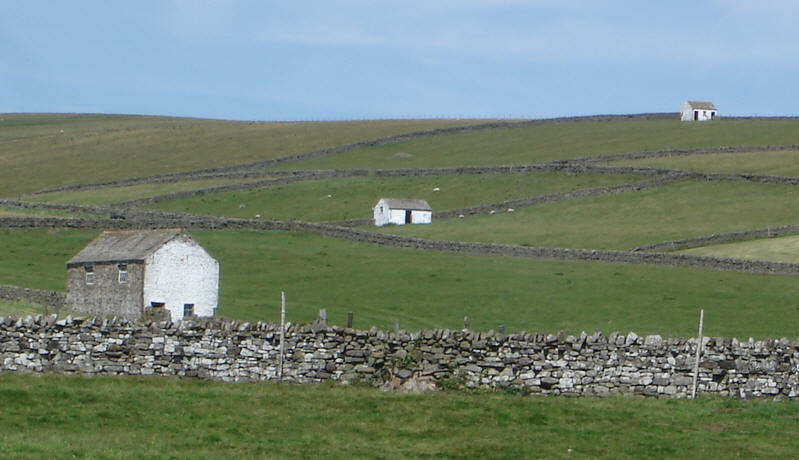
(61, 417)
(8, 211)
(783, 249)
(546, 142)
(354, 197)
(109, 195)
(431, 289)
(36, 154)
(782, 163)
(680, 210)
(19, 309)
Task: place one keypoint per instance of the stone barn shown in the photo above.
(698, 111)
(162, 274)
(401, 211)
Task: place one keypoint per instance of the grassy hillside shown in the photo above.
(45, 151)
(782, 163)
(109, 195)
(546, 142)
(354, 197)
(784, 249)
(680, 210)
(431, 289)
(59, 417)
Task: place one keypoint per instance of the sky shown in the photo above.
(370, 59)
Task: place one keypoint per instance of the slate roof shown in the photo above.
(407, 203)
(702, 105)
(124, 246)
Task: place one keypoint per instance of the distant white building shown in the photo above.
(698, 111)
(401, 211)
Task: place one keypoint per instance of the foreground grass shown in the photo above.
(680, 210)
(436, 290)
(354, 197)
(784, 249)
(782, 163)
(57, 417)
(546, 142)
(40, 151)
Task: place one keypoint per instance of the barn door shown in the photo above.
(407, 216)
(696, 115)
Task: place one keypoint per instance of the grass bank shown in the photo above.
(556, 141)
(58, 417)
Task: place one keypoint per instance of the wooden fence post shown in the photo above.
(349, 320)
(282, 336)
(698, 353)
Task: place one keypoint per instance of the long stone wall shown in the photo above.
(35, 296)
(165, 220)
(583, 365)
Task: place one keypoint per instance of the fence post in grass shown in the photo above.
(396, 327)
(465, 323)
(501, 328)
(282, 336)
(349, 319)
(322, 317)
(698, 353)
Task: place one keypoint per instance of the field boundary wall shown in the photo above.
(166, 220)
(538, 363)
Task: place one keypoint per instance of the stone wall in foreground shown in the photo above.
(581, 365)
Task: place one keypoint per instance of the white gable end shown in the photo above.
(182, 273)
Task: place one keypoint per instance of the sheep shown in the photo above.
(511, 210)
(242, 206)
(491, 212)
(330, 196)
(460, 216)
(436, 190)
(257, 216)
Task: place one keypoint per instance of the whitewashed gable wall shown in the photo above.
(182, 272)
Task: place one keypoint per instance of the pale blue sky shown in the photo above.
(364, 59)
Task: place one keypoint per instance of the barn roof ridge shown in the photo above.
(125, 245)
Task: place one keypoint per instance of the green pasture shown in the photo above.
(436, 290)
(782, 249)
(109, 195)
(780, 163)
(354, 197)
(681, 210)
(546, 142)
(72, 417)
(19, 309)
(36, 154)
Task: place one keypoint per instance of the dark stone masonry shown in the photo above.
(584, 365)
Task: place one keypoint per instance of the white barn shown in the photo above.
(401, 211)
(143, 273)
(698, 111)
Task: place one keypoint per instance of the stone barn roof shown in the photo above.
(407, 203)
(124, 246)
(702, 105)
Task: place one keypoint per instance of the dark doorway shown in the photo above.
(407, 216)
(696, 115)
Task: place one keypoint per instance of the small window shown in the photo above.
(157, 304)
(89, 274)
(123, 273)
(188, 310)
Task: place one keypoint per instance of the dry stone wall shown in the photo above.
(166, 220)
(35, 296)
(588, 364)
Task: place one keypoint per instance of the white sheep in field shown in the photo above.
(492, 212)
(511, 210)
(460, 216)
(436, 190)
(257, 216)
(242, 206)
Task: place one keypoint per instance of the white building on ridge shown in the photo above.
(698, 111)
(401, 211)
